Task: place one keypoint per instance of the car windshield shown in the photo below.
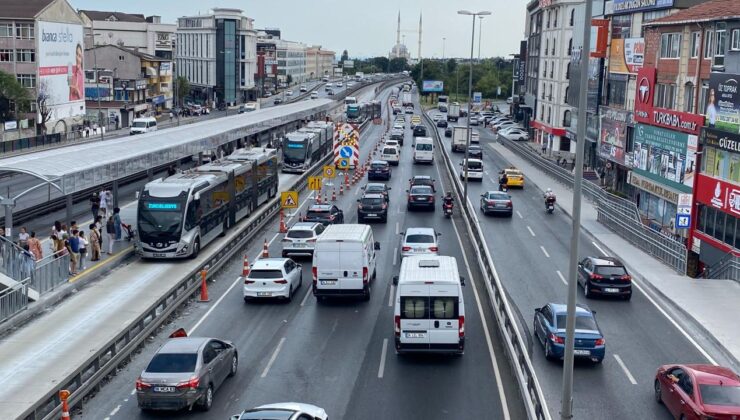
(419, 238)
(497, 196)
(513, 173)
(375, 188)
(720, 395)
(474, 165)
(372, 201)
(271, 414)
(173, 363)
(139, 124)
(610, 270)
(160, 217)
(422, 189)
(426, 147)
(474, 149)
(378, 165)
(389, 151)
(317, 213)
(300, 234)
(265, 274)
(583, 322)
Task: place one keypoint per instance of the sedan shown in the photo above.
(372, 206)
(474, 120)
(515, 133)
(496, 202)
(442, 123)
(288, 93)
(330, 92)
(185, 372)
(437, 117)
(698, 391)
(549, 329)
(419, 241)
(422, 180)
(409, 110)
(273, 277)
(420, 196)
(379, 169)
(475, 151)
(397, 134)
(301, 238)
(277, 101)
(283, 411)
(448, 131)
(377, 188)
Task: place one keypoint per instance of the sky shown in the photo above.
(364, 28)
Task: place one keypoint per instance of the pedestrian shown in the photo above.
(544, 147)
(23, 237)
(56, 228)
(34, 245)
(171, 170)
(83, 249)
(94, 204)
(63, 231)
(110, 230)
(117, 221)
(74, 252)
(103, 204)
(28, 264)
(171, 116)
(94, 242)
(73, 225)
(99, 226)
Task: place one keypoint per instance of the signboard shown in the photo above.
(665, 156)
(61, 70)
(329, 172)
(314, 183)
(477, 97)
(432, 86)
(721, 140)
(661, 117)
(683, 221)
(666, 193)
(522, 63)
(165, 68)
(720, 157)
(348, 64)
(613, 135)
(683, 211)
(599, 37)
(289, 199)
(722, 195)
(631, 6)
(10, 125)
(644, 94)
(626, 55)
(723, 102)
(163, 41)
(343, 163)
(347, 135)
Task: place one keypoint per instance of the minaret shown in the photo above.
(419, 35)
(398, 30)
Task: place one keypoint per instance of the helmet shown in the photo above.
(549, 190)
(449, 193)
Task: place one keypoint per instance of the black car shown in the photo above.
(242, 109)
(372, 206)
(277, 101)
(420, 196)
(326, 214)
(379, 169)
(448, 131)
(475, 151)
(605, 276)
(330, 92)
(442, 123)
(420, 131)
(377, 188)
(422, 180)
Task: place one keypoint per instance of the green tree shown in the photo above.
(345, 56)
(381, 63)
(451, 66)
(398, 65)
(289, 79)
(12, 92)
(182, 89)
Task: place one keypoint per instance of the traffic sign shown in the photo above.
(343, 163)
(345, 152)
(330, 172)
(477, 97)
(683, 221)
(289, 199)
(314, 183)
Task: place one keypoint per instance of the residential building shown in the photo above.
(134, 31)
(217, 54)
(319, 62)
(290, 56)
(528, 91)
(42, 45)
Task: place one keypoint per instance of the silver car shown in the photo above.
(419, 241)
(283, 411)
(185, 372)
(301, 238)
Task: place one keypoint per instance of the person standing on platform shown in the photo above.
(94, 242)
(110, 230)
(83, 249)
(117, 221)
(94, 205)
(34, 246)
(103, 204)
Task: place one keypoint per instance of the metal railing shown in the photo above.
(616, 213)
(49, 273)
(13, 300)
(516, 346)
(728, 268)
(16, 263)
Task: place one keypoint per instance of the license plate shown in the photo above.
(164, 389)
(421, 198)
(415, 335)
(265, 294)
(582, 352)
(298, 245)
(159, 255)
(372, 215)
(611, 290)
(501, 205)
(328, 282)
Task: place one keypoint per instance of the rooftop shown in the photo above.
(709, 11)
(24, 9)
(113, 16)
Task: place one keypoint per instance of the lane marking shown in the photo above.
(562, 278)
(544, 251)
(115, 257)
(626, 371)
(519, 214)
(599, 248)
(531, 232)
(381, 368)
(391, 295)
(272, 358)
(115, 410)
(397, 229)
(305, 298)
(395, 255)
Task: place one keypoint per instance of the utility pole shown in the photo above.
(97, 82)
(480, 33)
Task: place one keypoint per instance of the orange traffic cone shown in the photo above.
(341, 189)
(283, 227)
(203, 286)
(346, 180)
(265, 250)
(245, 268)
(333, 195)
(318, 197)
(63, 395)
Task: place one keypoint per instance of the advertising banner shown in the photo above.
(477, 97)
(165, 69)
(613, 135)
(721, 155)
(723, 102)
(626, 55)
(432, 85)
(719, 194)
(644, 94)
(631, 6)
(661, 117)
(61, 69)
(666, 156)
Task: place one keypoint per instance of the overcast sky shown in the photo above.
(364, 28)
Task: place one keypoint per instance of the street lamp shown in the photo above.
(470, 97)
(480, 34)
(443, 47)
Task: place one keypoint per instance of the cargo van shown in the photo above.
(143, 125)
(344, 261)
(429, 314)
(423, 150)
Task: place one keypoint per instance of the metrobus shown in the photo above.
(180, 214)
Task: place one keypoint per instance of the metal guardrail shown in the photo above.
(514, 343)
(727, 268)
(15, 262)
(616, 213)
(13, 300)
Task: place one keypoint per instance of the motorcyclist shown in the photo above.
(503, 181)
(549, 197)
(448, 200)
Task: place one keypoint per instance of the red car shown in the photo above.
(698, 392)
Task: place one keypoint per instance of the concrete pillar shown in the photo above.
(200, 159)
(114, 191)
(69, 208)
(149, 175)
(8, 220)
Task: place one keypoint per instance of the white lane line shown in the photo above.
(519, 214)
(272, 358)
(115, 410)
(626, 371)
(397, 229)
(531, 232)
(544, 251)
(358, 190)
(603, 253)
(305, 298)
(391, 295)
(395, 255)
(562, 278)
(381, 368)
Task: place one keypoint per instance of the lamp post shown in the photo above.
(470, 98)
(443, 47)
(480, 34)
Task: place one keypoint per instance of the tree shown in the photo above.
(345, 56)
(451, 65)
(12, 92)
(289, 79)
(43, 107)
(183, 89)
(381, 63)
(398, 65)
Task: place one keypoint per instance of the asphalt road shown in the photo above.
(335, 354)
(531, 251)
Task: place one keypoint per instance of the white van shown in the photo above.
(344, 261)
(475, 169)
(423, 150)
(429, 307)
(143, 125)
(390, 154)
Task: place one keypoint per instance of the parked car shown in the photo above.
(379, 169)
(604, 276)
(372, 206)
(496, 202)
(698, 391)
(301, 237)
(420, 196)
(419, 241)
(549, 330)
(273, 278)
(474, 120)
(327, 214)
(515, 133)
(283, 411)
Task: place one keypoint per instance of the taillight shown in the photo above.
(557, 339)
(192, 383)
(490, 202)
(433, 248)
(141, 385)
(461, 326)
(599, 342)
(626, 277)
(509, 205)
(331, 218)
(281, 281)
(596, 277)
(431, 198)
(315, 273)
(286, 240)
(247, 281)
(406, 248)
(384, 206)
(359, 206)
(311, 240)
(397, 322)
(364, 275)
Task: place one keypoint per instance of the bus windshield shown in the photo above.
(160, 218)
(294, 151)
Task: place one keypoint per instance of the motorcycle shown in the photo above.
(503, 187)
(447, 208)
(550, 204)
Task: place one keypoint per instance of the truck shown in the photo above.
(406, 99)
(453, 111)
(359, 76)
(459, 138)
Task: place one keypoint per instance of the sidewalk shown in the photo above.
(710, 303)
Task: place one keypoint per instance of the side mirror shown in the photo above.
(389, 188)
(407, 190)
(438, 233)
(376, 245)
(462, 281)
(395, 280)
(580, 264)
(236, 417)
(358, 200)
(537, 310)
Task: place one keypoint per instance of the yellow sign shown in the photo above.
(343, 163)
(330, 172)
(289, 199)
(314, 183)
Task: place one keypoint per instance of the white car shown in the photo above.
(390, 154)
(474, 137)
(350, 84)
(283, 411)
(393, 143)
(437, 117)
(515, 133)
(301, 238)
(273, 277)
(288, 93)
(419, 241)
(314, 95)
(304, 88)
(475, 169)
(398, 126)
(340, 84)
(503, 124)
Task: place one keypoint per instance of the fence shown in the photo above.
(47, 141)
(727, 268)
(13, 300)
(49, 273)
(16, 263)
(616, 213)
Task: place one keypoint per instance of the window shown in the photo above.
(544, 70)
(548, 19)
(121, 58)
(720, 44)
(414, 307)
(565, 99)
(567, 71)
(695, 44)
(25, 56)
(549, 114)
(6, 30)
(552, 51)
(665, 95)
(617, 93)
(555, 19)
(6, 56)
(734, 44)
(621, 26)
(688, 97)
(552, 69)
(670, 45)
(570, 46)
(27, 80)
(566, 116)
(572, 17)
(24, 31)
(650, 16)
(549, 92)
(542, 108)
(703, 96)
(547, 46)
(708, 41)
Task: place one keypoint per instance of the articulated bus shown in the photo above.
(306, 146)
(180, 214)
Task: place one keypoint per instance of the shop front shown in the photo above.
(615, 135)
(554, 139)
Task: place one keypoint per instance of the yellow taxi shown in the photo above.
(514, 177)
(415, 120)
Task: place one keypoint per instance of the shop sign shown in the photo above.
(721, 140)
(163, 41)
(10, 125)
(723, 102)
(613, 134)
(722, 195)
(626, 55)
(656, 189)
(666, 156)
(666, 118)
(631, 6)
(684, 204)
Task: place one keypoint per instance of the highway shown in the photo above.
(531, 251)
(339, 355)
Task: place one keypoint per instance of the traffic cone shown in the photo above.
(325, 199)
(203, 286)
(265, 250)
(245, 268)
(333, 195)
(283, 227)
(341, 189)
(346, 180)
(63, 395)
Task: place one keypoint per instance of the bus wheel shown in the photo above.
(196, 249)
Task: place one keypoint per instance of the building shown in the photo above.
(141, 84)
(134, 31)
(319, 62)
(42, 45)
(217, 54)
(291, 57)
(399, 50)
(527, 98)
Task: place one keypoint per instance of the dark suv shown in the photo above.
(422, 180)
(325, 214)
(605, 276)
(379, 169)
(372, 206)
(420, 131)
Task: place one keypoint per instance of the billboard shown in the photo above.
(721, 155)
(626, 55)
(348, 64)
(723, 102)
(719, 194)
(613, 134)
(665, 156)
(661, 117)
(631, 6)
(61, 71)
(432, 86)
